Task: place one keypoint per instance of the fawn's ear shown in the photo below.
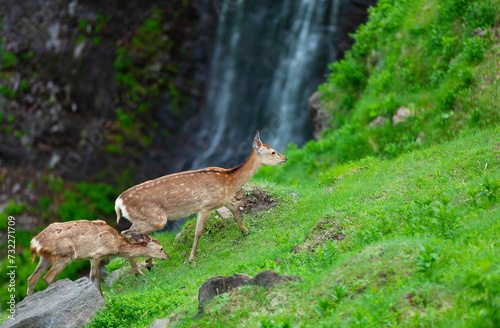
(257, 144)
(147, 239)
(137, 238)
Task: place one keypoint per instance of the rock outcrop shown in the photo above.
(59, 80)
(64, 304)
(319, 117)
(223, 284)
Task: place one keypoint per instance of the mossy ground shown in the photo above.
(419, 249)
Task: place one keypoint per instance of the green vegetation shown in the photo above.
(419, 247)
(414, 204)
(88, 201)
(438, 59)
(388, 224)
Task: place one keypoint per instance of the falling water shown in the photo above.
(269, 57)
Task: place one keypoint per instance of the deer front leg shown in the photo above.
(200, 224)
(236, 217)
(149, 263)
(133, 264)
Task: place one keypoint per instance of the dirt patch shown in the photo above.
(324, 231)
(253, 200)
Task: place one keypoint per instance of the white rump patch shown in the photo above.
(36, 245)
(119, 204)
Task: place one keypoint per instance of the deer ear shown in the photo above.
(137, 238)
(257, 144)
(147, 239)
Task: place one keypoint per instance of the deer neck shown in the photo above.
(245, 171)
(127, 249)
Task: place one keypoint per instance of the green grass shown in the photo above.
(394, 226)
(420, 249)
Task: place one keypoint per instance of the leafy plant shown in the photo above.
(426, 260)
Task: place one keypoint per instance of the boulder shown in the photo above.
(160, 323)
(218, 285)
(378, 121)
(269, 278)
(318, 115)
(114, 276)
(402, 114)
(64, 304)
(222, 284)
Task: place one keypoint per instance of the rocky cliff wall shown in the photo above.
(75, 74)
(89, 89)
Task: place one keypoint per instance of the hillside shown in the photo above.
(390, 218)
(419, 73)
(418, 249)
(396, 223)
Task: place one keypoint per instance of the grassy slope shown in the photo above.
(420, 249)
(420, 219)
(423, 55)
(421, 227)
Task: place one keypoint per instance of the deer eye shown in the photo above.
(274, 153)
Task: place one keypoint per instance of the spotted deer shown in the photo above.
(63, 242)
(149, 205)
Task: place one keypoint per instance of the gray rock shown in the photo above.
(64, 304)
(160, 323)
(222, 284)
(318, 114)
(114, 276)
(269, 278)
(218, 285)
(402, 114)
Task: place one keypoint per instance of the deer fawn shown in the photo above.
(63, 242)
(149, 205)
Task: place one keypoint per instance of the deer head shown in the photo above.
(266, 154)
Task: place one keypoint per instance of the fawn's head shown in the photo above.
(155, 250)
(266, 154)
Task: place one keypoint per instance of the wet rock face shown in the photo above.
(352, 14)
(58, 83)
(59, 92)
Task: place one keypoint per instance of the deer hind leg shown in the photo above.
(40, 269)
(57, 266)
(151, 222)
(236, 217)
(144, 228)
(95, 272)
(200, 224)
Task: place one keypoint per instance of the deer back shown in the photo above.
(78, 240)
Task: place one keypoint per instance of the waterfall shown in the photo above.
(269, 57)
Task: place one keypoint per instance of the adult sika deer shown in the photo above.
(63, 242)
(149, 205)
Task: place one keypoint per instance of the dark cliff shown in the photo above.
(89, 89)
